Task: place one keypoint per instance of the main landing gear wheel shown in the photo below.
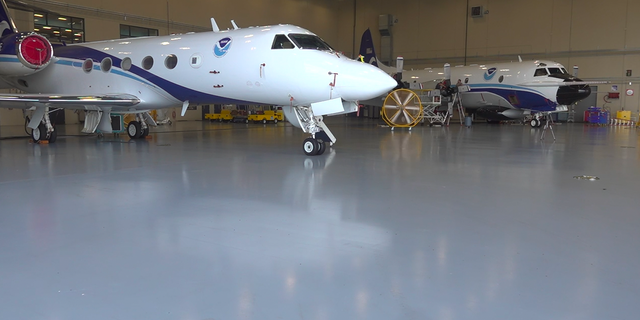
(321, 146)
(402, 108)
(311, 146)
(535, 123)
(53, 136)
(145, 132)
(134, 129)
(39, 133)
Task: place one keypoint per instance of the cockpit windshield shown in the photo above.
(555, 71)
(540, 72)
(308, 41)
(281, 42)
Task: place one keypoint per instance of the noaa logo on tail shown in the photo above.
(488, 75)
(221, 47)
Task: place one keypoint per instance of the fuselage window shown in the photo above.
(309, 41)
(540, 72)
(87, 65)
(126, 64)
(147, 62)
(564, 71)
(555, 71)
(466, 80)
(501, 79)
(171, 61)
(282, 42)
(106, 64)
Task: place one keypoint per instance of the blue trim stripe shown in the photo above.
(65, 62)
(8, 59)
(527, 98)
(181, 93)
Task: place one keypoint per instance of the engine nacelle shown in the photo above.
(33, 51)
(500, 114)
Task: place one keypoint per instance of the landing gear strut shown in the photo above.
(316, 144)
(44, 130)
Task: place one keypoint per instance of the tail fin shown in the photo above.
(6, 23)
(368, 53)
(366, 49)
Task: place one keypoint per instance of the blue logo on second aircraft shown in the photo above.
(489, 74)
(221, 47)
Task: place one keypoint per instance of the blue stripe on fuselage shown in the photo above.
(181, 93)
(8, 59)
(527, 98)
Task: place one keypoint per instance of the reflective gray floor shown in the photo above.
(232, 221)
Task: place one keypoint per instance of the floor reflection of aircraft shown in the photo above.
(499, 91)
(280, 65)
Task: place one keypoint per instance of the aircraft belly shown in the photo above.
(474, 100)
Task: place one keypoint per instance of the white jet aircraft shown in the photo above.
(280, 65)
(499, 91)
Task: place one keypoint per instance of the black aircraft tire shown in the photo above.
(321, 146)
(134, 130)
(53, 136)
(39, 133)
(310, 146)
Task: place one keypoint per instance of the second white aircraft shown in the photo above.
(500, 91)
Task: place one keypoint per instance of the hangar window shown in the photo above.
(87, 65)
(127, 31)
(171, 61)
(540, 72)
(147, 62)
(282, 42)
(308, 41)
(126, 64)
(106, 64)
(58, 28)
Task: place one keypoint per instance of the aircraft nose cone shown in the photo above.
(571, 94)
(362, 81)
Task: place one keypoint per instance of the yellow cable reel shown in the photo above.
(402, 108)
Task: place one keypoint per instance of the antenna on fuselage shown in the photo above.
(214, 25)
(235, 26)
(399, 67)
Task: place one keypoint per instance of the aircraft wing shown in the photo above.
(67, 101)
(562, 84)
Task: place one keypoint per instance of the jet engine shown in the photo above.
(33, 51)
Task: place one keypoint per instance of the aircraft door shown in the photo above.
(281, 56)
